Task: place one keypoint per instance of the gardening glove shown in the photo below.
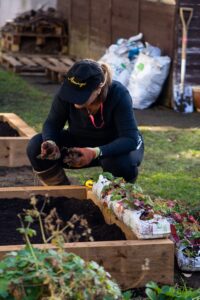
(80, 157)
(49, 150)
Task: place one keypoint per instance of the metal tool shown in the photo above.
(182, 94)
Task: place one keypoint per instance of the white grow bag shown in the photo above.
(186, 263)
(157, 227)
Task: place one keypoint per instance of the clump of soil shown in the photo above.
(7, 130)
(66, 208)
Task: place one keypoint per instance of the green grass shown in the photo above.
(19, 97)
(171, 167)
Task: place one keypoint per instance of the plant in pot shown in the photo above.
(52, 273)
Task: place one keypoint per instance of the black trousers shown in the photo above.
(125, 165)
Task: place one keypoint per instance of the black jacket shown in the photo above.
(118, 135)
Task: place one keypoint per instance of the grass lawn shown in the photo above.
(171, 168)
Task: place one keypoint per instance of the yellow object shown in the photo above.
(89, 183)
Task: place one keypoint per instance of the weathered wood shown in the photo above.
(27, 61)
(67, 61)
(157, 23)
(40, 60)
(56, 74)
(13, 149)
(100, 21)
(124, 260)
(125, 19)
(79, 192)
(17, 123)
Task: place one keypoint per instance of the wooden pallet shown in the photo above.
(36, 65)
(122, 259)
(13, 149)
(15, 42)
(57, 68)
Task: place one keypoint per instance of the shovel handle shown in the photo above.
(185, 22)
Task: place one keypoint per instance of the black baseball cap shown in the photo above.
(81, 80)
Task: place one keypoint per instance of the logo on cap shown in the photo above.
(73, 81)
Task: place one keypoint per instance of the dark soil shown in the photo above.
(21, 176)
(7, 130)
(66, 208)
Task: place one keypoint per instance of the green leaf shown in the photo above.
(28, 219)
(152, 285)
(21, 230)
(4, 283)
(127, 295)
(31, 232)
(151, 294)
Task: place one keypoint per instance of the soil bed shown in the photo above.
(7, 130)
(20, 176)
(66, 208)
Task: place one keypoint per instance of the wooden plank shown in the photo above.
(124, 260)
(11, 60)
(56, 73)
(110, 218)
(157, 23)
(79, 192)
(17, 123)
(99, 27)
(39, 60)
(124, 19)
(13, 151)
(25, 60)
(79, 28)
(67, 61)
(54, 61)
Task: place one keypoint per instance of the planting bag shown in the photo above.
(186, 262)
(157, 227)
(147, 79)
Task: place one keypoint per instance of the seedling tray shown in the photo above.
(13, 148)
(124, 259)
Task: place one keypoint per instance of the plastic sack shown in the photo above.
(120, 66)
(151, 50)
(147, 79)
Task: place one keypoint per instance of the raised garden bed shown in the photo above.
(14, 136)
(124, 259)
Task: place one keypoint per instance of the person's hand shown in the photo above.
(80, 157)
(49, 150)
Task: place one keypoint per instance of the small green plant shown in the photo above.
(51, 273)
(154, 292)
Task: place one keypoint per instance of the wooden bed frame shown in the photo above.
(124, 260)
(13, 149)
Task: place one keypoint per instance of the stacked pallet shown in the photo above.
(52, 66)
(35, 32)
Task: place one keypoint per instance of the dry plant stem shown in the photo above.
(29, 243)
(59, 232)
(40, 222)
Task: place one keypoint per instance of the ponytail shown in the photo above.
(107, 80)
